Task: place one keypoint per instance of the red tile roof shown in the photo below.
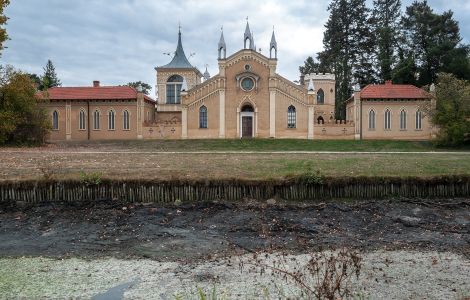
(94, 93)
(393, 91)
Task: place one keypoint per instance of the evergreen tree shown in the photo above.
(405, 71)
(146, 88)
(3, 21)
(49, 78)
(386, 18)
(348, 48)
(434, 41)
(312, 66)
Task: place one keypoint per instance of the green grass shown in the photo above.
(262, 145)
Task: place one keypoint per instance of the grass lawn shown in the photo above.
(28, 165)
(257, 145)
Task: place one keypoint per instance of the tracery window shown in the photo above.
(203, 117)
(372, 120)
(291, 117)
(388, 120)
(55, 120)
(320, 97)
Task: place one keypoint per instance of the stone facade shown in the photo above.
(246, 99)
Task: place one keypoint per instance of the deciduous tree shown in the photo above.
(3, 21)
(23, 121)
(452, 112)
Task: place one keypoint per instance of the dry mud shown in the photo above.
(200, 230)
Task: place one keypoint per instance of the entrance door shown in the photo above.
(247, 127)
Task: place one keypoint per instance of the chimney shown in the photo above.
(302, 79)
(96, 83)
(388, 82)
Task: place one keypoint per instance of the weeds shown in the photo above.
(326, 275)
(89, 179)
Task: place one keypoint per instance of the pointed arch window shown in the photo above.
(111, 120)
(320, 97)
(388, 120)
(372, 120)
(173, 89)
(402, 119)
(55, 120)
(96, 120)
(203, 117)
(419, 117)
(82, 120)
(291, 117)
(126, 121)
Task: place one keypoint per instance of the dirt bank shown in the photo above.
(195, 231)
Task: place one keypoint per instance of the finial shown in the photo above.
(247, 18)
(179, 26)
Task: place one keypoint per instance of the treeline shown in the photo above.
(371, 45)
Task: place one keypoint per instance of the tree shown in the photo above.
(49, 78)
(23, 119)
(146, 88)
(3, 21)
(434, 40)
(386, 19)
(348, 49)
(36, 80)
(405, 71)
(312, 66)
(452, 112)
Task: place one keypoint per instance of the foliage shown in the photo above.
(49, 78)
(146, 88)
(348, 50)
(434, 42)
(312, 66)
(23, 120)
(386, 26)
(89, 179)
(36, 80)
(3, 21)
(452, 112)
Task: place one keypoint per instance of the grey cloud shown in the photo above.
(121, 41)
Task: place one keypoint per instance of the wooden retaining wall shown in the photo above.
(295, 189)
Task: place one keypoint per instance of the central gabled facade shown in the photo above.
(247, 98)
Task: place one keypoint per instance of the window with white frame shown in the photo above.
(81, 120)
(372, 120)
(291, 117)
(320, 97)
(111, 119)
(203, 117)
(55, 120)
(402, 119)
(419, 118)
(173, 89)
(388, 120)
(126, 122)
(96, 120)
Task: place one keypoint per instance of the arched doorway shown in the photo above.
(247, 117)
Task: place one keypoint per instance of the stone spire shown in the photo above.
(311, 86)
(273, 46)
(222, 46)
(207, 76)
(248, 36)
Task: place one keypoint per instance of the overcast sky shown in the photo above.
(117, 41)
